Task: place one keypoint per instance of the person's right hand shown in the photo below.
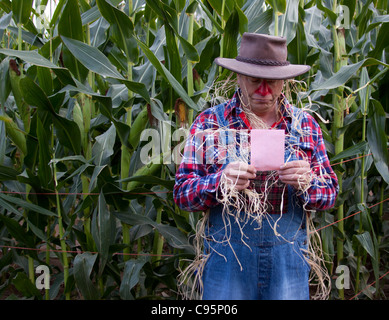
(238, 174)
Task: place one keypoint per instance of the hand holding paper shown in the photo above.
(239, 174)
(267, 149)
(296, 173)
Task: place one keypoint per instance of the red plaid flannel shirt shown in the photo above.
(197, 181)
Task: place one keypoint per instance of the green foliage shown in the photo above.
(77, 94)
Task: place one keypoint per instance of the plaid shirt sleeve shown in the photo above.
(324, 185)
(196, 182)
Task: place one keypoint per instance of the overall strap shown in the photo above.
(219, 112)
(293, 138)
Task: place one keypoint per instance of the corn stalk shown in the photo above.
(339, 112)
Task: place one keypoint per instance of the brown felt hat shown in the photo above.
(263, 56)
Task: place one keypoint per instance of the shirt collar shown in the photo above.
(233, 105)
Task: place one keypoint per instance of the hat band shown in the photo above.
(263, 62)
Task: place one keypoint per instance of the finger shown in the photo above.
(295, 164)
(295, 175)
(240, 170)
(243, 166)
(251, 169)
(241, 174)
(242, 186)
(296, 180)
(293, 171)
(238, 184)
(292, 178)
(238, 181)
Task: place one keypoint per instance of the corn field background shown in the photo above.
(80, 80)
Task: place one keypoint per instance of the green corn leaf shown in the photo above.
(174, 66)
(103, 148)
(382, 41)
(215, 23)
(70, 24)
(289, 20)
(32, 57)
(190, 51)
(259, 19)
(106, 102)
(57, 12)
(17, 231)
(131, 276)
(231, 35)
(364, 94)
(122, 29)
(103, 230)
(68, 132)
(83, 265)
(168, 76)
(27, 205)
(45, 80)
(138, 88)
(174, 237)
(225, 12)
(165, 12)
(149, 169)
(326, 7)
(78, 118)
(5, 83)
(191, 9)
(377, 138)
(5, 20)
(7, 173)
(356, 149)
(345, 73)
(90, 15)
(171, 234)
(24, 285)
(28, 37)
(44, 169)
(21, 10)
(278, 5)
(91, 58)
(133, 219)
(366, 242)
(151, 180)
(35, 96)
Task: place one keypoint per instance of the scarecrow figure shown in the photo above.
(254, 233)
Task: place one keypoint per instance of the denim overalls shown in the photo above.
(254, 263)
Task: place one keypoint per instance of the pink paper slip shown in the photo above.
(267, 149)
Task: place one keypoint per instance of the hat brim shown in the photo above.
(261, 71)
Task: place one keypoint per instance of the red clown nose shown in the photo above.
(263, 89)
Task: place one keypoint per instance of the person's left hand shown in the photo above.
(296, 173)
